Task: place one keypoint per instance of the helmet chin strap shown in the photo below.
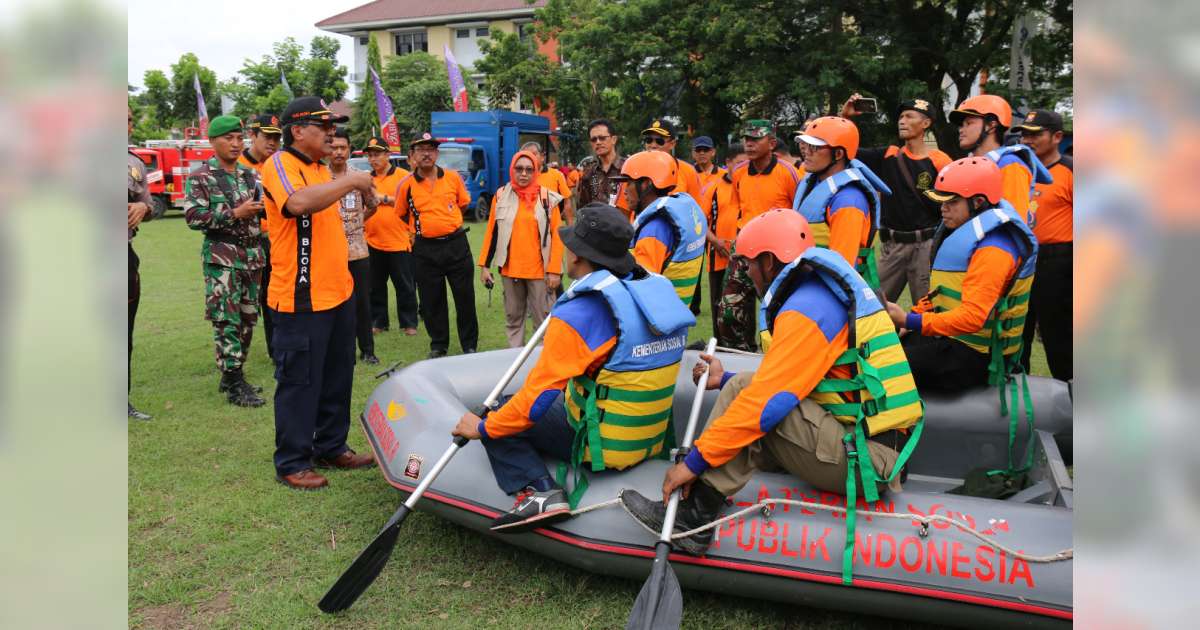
(983, 133)
(832, 160)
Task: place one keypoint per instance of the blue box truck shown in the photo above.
(480, 146)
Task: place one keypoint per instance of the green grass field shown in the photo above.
(214, 541)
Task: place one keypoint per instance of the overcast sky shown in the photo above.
(224, 32)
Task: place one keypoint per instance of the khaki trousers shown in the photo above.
(523, 298)
(807, 443)
(904, 263)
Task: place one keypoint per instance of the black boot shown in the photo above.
(233, 377)
(238, 391)
(702, 507)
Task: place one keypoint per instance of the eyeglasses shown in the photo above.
(523, 169)
(596, 139)
(325, 126)
(659, 140)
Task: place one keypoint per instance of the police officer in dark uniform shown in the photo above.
(138, 211)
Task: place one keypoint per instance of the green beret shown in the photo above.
(222, 125)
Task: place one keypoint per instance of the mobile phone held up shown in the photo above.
(865, 106)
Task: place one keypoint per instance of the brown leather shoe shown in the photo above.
(346, 461)
(410, 332)
(303, 480)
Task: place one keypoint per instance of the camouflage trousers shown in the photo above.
(231, 304)
(736, 318)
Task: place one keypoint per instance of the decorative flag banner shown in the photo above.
(458, 89)
(200, 105)
(387, 120)
(283, 79)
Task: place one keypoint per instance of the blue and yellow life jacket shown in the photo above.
(1041, 175)
(622, 415)
(1001, 332)
(880, 396)
(814, 206)
(684, 266)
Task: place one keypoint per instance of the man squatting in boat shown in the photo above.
(612, 350)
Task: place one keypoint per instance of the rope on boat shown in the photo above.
(767, 506)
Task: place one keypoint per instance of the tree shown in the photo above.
(317, 75)
(157, 95)
(183, 91)
(365, 117)
(417, 84)
(512, 67)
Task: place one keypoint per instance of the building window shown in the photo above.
(481, 31)
(463, 33)
(524, 30)
(411, 42)
(362, 41)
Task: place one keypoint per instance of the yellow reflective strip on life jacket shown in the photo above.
(684, 276)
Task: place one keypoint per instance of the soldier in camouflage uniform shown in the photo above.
(736, 322)
(222, 201)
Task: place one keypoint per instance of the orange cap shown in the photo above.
(658, 166)
(781, 231)
(834, 131)
(984, 105)
(966, 178)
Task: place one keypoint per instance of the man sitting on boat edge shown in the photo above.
(611, 352)
(833, 395)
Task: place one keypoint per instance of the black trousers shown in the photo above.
(1050, 305)
(135, 297)
(360, 270)
(268, 324)
(314, 369)
(941, 364)
(437, 262)
(397, 267)
(696, 297)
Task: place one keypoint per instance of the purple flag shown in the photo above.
(458, 89)
(200, 105)
(387, 121)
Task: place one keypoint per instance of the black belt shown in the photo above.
(250, 241)
(1054, 250)
(888, 234)
(449, 237)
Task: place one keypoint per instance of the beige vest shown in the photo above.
(507, 204)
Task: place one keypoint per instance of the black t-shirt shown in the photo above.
(907, 209)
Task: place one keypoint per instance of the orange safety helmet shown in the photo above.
(657, 166)
(984, 105)
(966, 178)
(781, 231)
(834, 131)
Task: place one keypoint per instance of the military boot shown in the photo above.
(238, 391)
(702, 506)
(231, 378)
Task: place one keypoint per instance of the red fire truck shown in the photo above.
(168, 163)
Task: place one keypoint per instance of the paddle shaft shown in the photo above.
(688, 434)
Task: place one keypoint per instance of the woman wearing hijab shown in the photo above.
(522, 240)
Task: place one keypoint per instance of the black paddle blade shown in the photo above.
(366, 567)
(660, 602)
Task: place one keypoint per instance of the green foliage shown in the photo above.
(513, 68)
(366, 114)
(157, 95)
(184, 109)
(317, 74)
(418, 85)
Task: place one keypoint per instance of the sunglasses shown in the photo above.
(596, 139)
(659, 140)
(523, 169)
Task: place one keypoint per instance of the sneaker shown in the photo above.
(134, 414)
(533, 509)
(702, 507)
(437, 354)
(370, 359)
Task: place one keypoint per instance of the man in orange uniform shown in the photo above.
(604, 347)
(660, 136)
(760, 183)
(1050, 303)
(719, 203)
(310, 298)
(982, 121)
(704, 153)
(431, 202)
(264, 142)
(390, 245)
(963, 334)
(794, 413)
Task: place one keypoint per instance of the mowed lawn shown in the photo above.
(215, 541)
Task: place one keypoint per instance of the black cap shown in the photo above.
(601, 234)
(918, 105)
(264, 123)
(375, 143)
(1041, 120)
(660, 127)
(310, 109)
(424, 138)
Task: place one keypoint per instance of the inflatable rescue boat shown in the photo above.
(950, 559)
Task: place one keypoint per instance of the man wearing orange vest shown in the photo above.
(982, 121)
(794, 413)
(760, 183)
(310, 301)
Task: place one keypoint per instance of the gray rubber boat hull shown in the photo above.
(795, 556)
